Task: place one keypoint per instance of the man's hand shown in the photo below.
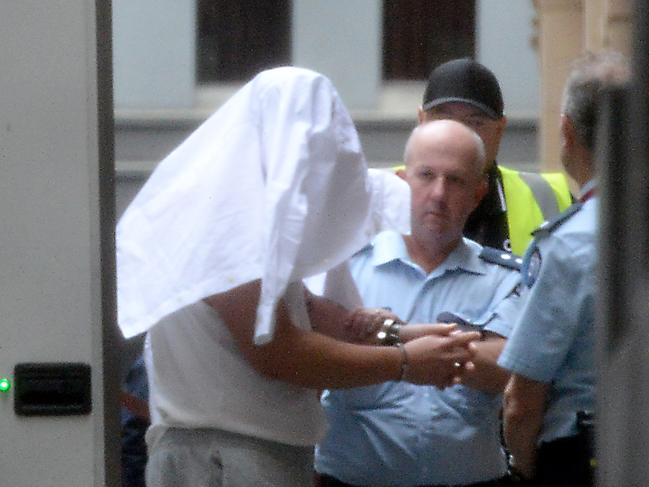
(487, 376)
(439, 360)
(418, 330)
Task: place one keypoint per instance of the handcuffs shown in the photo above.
(388, 334)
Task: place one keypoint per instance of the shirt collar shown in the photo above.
(466, 257)
(390, 246)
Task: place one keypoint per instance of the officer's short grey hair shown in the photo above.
(591, 74)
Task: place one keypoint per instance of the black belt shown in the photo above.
(567, 449)
(329, 481)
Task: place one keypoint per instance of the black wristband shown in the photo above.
(404, 361)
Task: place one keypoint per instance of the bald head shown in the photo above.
(445, 168)
(446, 138)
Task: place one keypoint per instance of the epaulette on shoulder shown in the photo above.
(558, 220)
(500, 257)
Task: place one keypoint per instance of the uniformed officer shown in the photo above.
(550, 398)
(517, 202)
(396, 435)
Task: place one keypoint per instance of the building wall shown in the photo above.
(155, 86)
(154, 47)
(505, 35)
(153, 51)
(158, 102)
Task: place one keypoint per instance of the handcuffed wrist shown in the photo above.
(388, 334)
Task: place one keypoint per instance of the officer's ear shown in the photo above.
(501, 124)
(481, 190)
(568, 133)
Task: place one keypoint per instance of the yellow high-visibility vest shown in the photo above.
(531, 199)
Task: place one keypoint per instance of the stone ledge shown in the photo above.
(396, 106)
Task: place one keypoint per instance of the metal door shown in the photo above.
(56, 246)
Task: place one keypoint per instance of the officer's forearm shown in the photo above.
(326, 316)
(524, 407)
(521, 444)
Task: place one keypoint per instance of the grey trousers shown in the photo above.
(216, 458)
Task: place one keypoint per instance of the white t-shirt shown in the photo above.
(198, 379)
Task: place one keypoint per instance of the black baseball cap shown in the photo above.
(467, 81)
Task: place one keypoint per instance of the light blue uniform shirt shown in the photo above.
(401, 434)
(553, 340)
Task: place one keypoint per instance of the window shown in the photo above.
(420, 34)
(239, 38)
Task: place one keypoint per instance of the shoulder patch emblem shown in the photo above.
(531, 267)
(501, 257)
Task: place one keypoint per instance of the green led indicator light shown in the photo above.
(5, 384)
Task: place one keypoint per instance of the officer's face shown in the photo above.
(446, 180)
(489, 130)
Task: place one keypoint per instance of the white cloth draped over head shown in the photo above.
(273, 186)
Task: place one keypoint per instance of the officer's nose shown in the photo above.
(438, 189)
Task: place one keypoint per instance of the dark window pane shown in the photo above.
(239, 38)
(420, 34)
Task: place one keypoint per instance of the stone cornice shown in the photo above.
(558, 4)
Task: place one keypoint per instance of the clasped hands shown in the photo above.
(438, 354)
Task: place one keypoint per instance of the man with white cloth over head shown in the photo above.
(211, 255)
